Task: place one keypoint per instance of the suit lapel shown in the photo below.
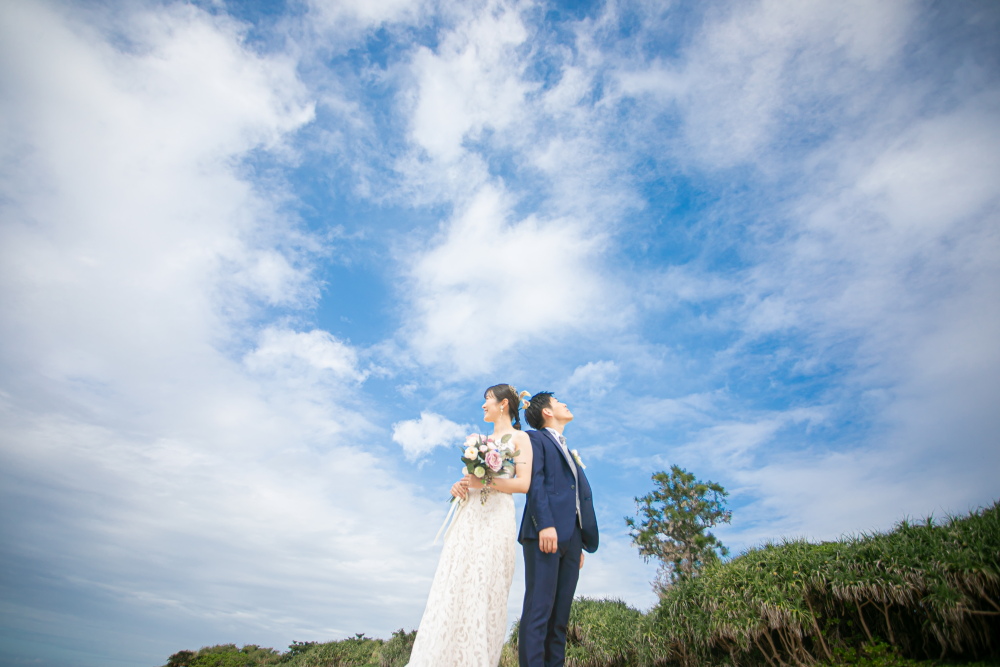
(565, 453)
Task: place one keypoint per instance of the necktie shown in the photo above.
(567, 453)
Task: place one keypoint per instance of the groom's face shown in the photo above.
(559, 412)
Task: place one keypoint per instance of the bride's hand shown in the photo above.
(472, 482)
(460, 489)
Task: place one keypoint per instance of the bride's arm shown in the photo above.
(522, 468)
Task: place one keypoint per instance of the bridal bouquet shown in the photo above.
(486, 459)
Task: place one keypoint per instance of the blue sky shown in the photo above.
(259, 260)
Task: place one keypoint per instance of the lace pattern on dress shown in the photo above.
(465, 621)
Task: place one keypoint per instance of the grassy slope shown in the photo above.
(922, 591)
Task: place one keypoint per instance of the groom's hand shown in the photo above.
(548, 540)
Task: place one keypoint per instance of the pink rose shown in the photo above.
(483, 448)
(494, 460)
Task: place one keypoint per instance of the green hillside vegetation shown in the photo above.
(357, 651)
(925, 591)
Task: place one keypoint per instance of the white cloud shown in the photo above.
(735, 445)
(124, 219)
(493, 278)
(471, 82)
(152, 471)
(658, 412)
(756, 68)
(470, 88)
(344, 17)
(899, 253)
(491, 284)
(277, 348)
(595, 378)
(825, 496)
(418, 437)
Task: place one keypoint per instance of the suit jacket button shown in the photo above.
(572, 486)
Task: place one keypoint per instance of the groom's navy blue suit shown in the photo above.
(550, 579)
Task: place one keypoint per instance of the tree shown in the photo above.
(674, 522)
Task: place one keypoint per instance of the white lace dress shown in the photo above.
(465, 621)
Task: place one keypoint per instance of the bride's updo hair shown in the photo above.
(502, 391)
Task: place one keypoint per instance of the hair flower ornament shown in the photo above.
(524, 396)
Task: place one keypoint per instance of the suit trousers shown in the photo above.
(549, 586)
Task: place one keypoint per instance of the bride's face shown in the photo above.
(491, 408)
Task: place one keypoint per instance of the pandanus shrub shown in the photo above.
(927, 590)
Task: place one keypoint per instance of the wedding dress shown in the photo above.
(465, 621)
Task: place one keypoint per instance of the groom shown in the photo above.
(557, 526)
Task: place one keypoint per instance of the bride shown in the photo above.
(465, 621)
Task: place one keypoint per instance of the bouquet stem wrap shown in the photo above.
(449, 519)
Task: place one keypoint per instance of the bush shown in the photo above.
(357, 651)
(226, 655)
(600, 633)
(928, 590)
(396, 651)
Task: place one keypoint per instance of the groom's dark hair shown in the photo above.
(533, 413)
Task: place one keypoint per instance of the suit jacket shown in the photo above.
(551, 499)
